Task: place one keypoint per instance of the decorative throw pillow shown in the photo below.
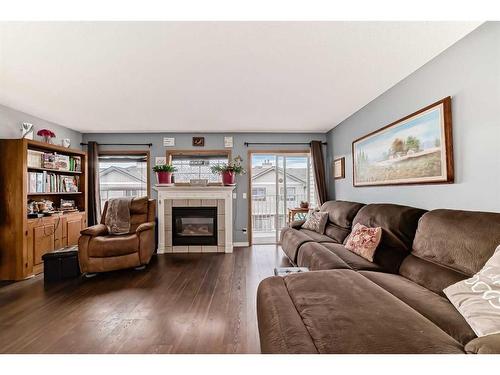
(364, 241)
(316, 221)
(478, 299)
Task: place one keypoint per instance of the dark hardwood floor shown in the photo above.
(181, 303)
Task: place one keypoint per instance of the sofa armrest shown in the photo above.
(296, 224)
(145, 226)
(484, 345)
(95, 230)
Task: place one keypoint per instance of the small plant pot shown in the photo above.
(164, 177)
(228, 178)
(304, 205)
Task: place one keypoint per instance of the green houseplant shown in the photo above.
(229, 170)
(164, 173)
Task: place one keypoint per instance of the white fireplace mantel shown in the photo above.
(195, 192)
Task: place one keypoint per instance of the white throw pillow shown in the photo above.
(478, 298)
(316, 221)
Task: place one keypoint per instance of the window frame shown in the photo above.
(259, 198)
(178, 152)
(133, 152)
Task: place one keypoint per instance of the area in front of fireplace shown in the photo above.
(194, 226)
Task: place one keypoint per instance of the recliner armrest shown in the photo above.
(145, 226)
(296, 224)
(484, 345)
(95, 230)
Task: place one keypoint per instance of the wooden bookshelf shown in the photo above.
(23, 241)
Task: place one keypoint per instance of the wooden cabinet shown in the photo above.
(23, 241)
(51, 233)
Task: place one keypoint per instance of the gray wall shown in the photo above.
(469, 71)
(11, 120)
(212, 141)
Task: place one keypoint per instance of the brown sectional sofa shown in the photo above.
(393, 305)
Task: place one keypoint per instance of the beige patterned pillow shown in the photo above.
(478, 298)
(364, 241)
(316, 221)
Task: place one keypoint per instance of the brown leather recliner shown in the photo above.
(102, 252)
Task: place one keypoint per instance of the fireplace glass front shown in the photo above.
(194, 226)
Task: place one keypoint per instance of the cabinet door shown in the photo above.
(43, 241)
(73, 228)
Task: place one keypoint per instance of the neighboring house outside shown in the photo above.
(264, 200)
(122, 182)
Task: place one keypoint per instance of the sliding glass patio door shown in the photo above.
(279, 182)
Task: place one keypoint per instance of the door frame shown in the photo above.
(250, 153)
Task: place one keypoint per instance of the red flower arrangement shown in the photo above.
(46, 134)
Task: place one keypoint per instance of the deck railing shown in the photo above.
(265, 208)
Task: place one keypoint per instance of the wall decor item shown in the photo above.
(199, 141)
(159, 160)
(228, 142)
(168, 142)
(27, 130)
(417, 149)
(339, 168)
(46, 135)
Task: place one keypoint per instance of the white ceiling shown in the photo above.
(210, 76)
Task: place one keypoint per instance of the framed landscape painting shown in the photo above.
(417, 149)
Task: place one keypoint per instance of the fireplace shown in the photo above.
(194, 226)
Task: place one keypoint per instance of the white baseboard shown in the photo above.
(240, 244)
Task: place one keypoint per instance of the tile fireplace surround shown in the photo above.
(191, 196)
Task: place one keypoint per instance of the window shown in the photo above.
(123, 174)
(290, 193)
(259, 193)
(192, 165)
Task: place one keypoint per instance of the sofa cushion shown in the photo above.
(398, 224)
(431, 305)
(354, 261)
(451, 245)
(316, 221)
(281, 329)
(332, 304)
(292, 239)
(317, 257)
(340, 216)
(364, 241)
(316, 237)
(110, 246)
(478, 298)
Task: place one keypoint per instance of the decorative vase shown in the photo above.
(228, 178)
(47, 139)
(164, 177)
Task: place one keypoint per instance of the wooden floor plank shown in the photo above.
(181, 303)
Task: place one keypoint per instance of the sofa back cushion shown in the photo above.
(340, 216)
(398, 223)
(451, 245)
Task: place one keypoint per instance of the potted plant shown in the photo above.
(229, 171)
(164, 173)
(46, 134)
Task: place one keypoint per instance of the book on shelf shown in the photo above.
(55, 161)
(35, 159)
(46, 182)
